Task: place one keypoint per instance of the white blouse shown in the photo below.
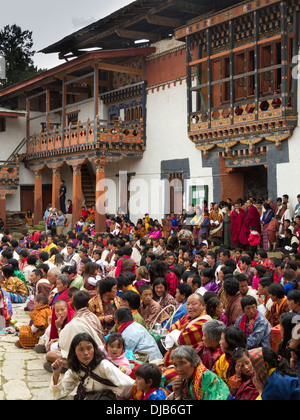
(106, 370)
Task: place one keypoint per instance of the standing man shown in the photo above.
(62, 196)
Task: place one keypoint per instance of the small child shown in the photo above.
(148, 379)
(29, 335)
(254, 239)
(114, 350)
(241, 384)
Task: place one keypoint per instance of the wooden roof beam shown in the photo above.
(185, 6)
(120, 69)
(164, 21)
(125, 33)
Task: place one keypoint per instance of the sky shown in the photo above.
(51, 21)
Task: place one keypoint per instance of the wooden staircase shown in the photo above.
(88, 181)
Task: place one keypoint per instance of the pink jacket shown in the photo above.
(120, 362)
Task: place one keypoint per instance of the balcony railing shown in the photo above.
(84, 136)
(242, 117)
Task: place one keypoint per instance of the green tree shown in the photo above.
(16, 46)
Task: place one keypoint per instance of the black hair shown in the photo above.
(8, 271)
(208, 272)
(270, 356)
(123, 281)
(127, 250)
(144, 287)
(286, 320)
(276, 289)
(31, 260)
(231, 286)
(40, 297)
(149, 372)
(238, 353)
(235, 337)
(44, 256)
(73, 362)
(105, 285)
(123, 314)
(81, 299)
(248, 301)
(184, 289)
(132, 298)
(266, 281)
(211, 306)
(157, 282)
(14, 263)
(295, 296)
(115, 337)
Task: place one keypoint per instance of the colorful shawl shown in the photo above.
(208, 356)
(191, 329)
(206, 385)
(248, 325)
(258, 363)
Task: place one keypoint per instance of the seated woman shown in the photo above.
(241, 384)
(255, 325)
(16, 288)
(149, 309)
(195, 381)
(162, 296)
(105, 303)
(215, 308)
(231, 338)
(210, 350)
(136, 337)
(29, 334)
(282, 382)
(90, 372)
(208, 280)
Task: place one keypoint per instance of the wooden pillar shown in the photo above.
(55, 188)
(38, 198)
(100, 211)
(3, 207)
(77, 194)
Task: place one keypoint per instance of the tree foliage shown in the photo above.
(16, 46)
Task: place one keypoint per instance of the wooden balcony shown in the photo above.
(123, 138)
(242, 123)
(9, 177)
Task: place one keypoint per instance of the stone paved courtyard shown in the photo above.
(22, 376)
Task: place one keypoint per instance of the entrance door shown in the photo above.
(27, 201)
(256, 182)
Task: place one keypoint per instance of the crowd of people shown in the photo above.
(187, 308)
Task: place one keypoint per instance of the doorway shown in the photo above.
(256, 182)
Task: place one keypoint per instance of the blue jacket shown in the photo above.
(260, 336)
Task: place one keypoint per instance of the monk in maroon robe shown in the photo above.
(237, 218)
(252, 219)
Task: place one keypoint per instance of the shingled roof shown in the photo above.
(151, 20)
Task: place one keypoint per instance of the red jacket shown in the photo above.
(254, 238)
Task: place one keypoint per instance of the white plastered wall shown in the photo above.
(288, 174)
